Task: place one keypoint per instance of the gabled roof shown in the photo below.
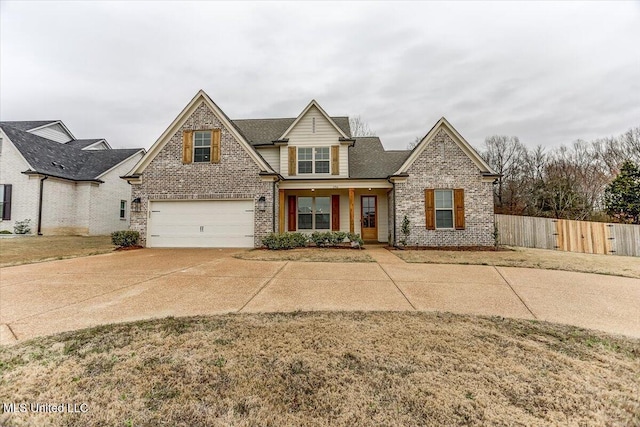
(200, 97)
(315, 104)
(264, 131)
(369, 159)
(457, 138)
(30, 125)
(48, 157)
(86, 143)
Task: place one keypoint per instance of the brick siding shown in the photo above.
(235, 177)
(443, 165)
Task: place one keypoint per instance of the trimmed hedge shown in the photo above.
(125, 238)
(285, 240)
(319, 238)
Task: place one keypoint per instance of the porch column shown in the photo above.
(351, 209)
(281, 211)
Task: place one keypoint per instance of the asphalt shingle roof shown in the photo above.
(82, 143)
(28, 125)
(62, 160)
(368, 159)
(265, 131)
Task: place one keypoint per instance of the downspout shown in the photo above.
(42, 180)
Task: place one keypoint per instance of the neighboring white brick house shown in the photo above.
(211, 181)
(80, 180)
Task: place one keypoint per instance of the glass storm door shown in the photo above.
(369, 207)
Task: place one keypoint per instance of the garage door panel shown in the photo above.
(219, 223)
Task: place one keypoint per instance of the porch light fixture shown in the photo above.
(136, 205)
(262, 204)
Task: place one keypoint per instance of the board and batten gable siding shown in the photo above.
(25, 188)
(325, 135)
(272, 156)
(236, 176)
(53, 132)
(443, 165)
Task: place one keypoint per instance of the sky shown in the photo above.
(547, 72)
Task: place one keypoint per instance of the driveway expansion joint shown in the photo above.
(514, 291)
(263, 286)
(397, 287)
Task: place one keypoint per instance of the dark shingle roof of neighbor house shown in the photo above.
(28, 125)
(62, 160)
(82, 143)
(368, 159)
(265, 131)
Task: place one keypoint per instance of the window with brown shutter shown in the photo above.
(215, 146)
(292, 161)
(335, 160)
(458, 204)
(429, 208)
(187, 146)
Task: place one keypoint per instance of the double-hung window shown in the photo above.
(444, 208)
(123, 209)
(314, 213)
(313, 160)
(202, 146)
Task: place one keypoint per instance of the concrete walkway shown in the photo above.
(46, 298)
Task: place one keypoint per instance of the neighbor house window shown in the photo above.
(313, 160)
(5, 201)
(202, 146)
(123, 209)
(314, 213)
(444, 208)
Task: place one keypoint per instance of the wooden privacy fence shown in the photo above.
(567, 235)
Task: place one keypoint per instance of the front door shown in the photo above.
(369, 217)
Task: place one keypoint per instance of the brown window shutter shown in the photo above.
(292, 213)
(292, 160)
(215, 146)
(335, 160)
(335, 212)
(6, 202)
(458, 206)
(187, 146)
(430, 208)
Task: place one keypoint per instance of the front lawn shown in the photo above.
(29, 249)
(532, 258)
(327, 369)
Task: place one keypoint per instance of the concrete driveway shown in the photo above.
(46, 298)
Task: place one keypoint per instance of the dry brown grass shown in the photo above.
(307, 255)
(26, 250)
(532, 258)
(328, 369)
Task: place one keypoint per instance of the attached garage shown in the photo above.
(201, 224)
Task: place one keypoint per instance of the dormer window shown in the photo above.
(313, 160)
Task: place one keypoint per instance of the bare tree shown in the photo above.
(359, 127)
(506, 154)
(413, 144)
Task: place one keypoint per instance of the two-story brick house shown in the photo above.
(210, 181)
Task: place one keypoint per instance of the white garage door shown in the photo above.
(201, 224)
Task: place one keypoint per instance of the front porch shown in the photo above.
(364, 211)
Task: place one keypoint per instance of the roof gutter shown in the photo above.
(30, 172)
